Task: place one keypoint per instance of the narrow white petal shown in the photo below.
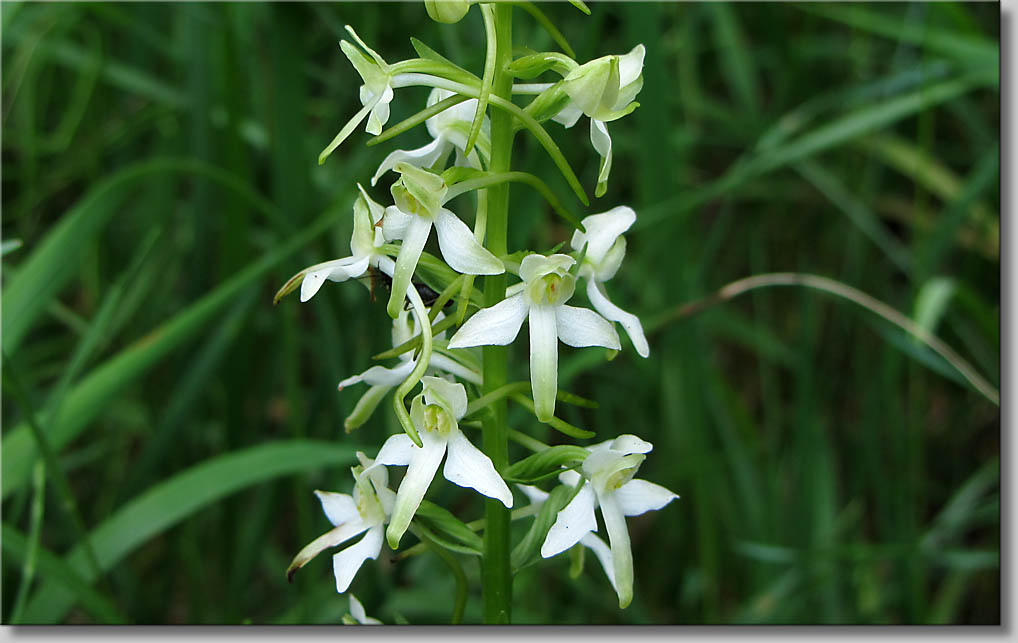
(535, 495)
(346, 563)
(381, 376)
(495, 326)
(443, 363)
(640, 496)
(630, 322)
(445, 393)
(397, 451)
(569, 477)
(544, 360)
(575, 521)
(358, 613)
(417, 233)
(394, 223)
(580, 327)
(420, 157)
(466, 466)
(339, 508)
(461, 250)
(602, 142)
(423, 465)
(622, 552)
(338, 270)
(329, 539)
(604, 556)
(568, 115)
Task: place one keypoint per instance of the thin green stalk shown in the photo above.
(496, 575)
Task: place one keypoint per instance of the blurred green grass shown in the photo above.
(160, 170)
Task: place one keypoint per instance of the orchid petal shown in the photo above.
(630, 322)
(450, 395)
(604, 556)
(535, 266)
(420, 472)
(379, 113)
(394, 223)
(640, 496)
(602, 143)
(347, 129)
(628, 443)
(535, 495)
(544, 359)
(461, 250)
(467, 466)
(602, 230)
(420, 157)
(575, 521)
(495, 326)
(338, 270)
(568, 115)
(339, 508)
(358, 613)
(381, 376)
(398, 450)
(443, 363)
(417, 233)
(331, 538)
(569, 477)
(346, 563)
(621, 549)
(580, 327)
(365, 407)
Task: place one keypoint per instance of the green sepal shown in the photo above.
(418, 191)
(534, 65)
(548, 103)
(546, 463)
(459, 173)
(447, 530)
(575, 270)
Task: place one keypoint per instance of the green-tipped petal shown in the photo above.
(417, 231)
(421, 471)
(365, 407)
(622, 552)
(543, 360)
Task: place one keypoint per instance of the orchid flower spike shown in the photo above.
(365, 245)
(419, 195)
(357, 614)
(367, 510)
(435, 414)
(381, 380)
(547, 287)
(605, 249)
(608, 473)
(604, 90)
(375, 93)
(449, 130)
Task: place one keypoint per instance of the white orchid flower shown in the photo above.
(365, 244)
(381, 380)
(435, 414)
(547, 286)
(449, 130)
(375, 93)
(367, 510)
(603, 89)
(608, 471)
(359, 616)
(419, 195)
(606, 248)
(603, 553)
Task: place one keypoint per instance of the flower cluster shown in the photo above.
(389, 245)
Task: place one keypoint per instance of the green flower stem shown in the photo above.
(496, 575)
(422, 365)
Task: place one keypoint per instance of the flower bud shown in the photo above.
(447, 11)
